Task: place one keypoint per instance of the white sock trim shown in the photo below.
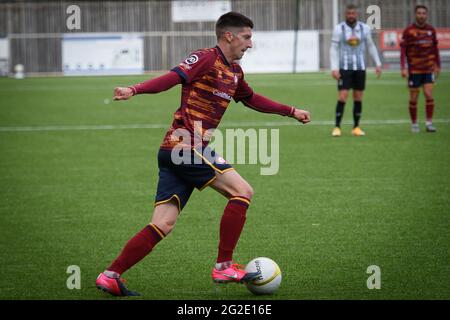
(223, 265)
(111, 274)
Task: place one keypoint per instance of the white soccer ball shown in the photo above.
(270, 278)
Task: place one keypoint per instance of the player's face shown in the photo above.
(240, 42)
(421, 16)
(351, 16)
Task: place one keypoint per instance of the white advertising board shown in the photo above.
(102, 54)
(4, 56)
(200, 10)
(4, 48)
(273, 51)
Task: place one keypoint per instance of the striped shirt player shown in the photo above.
(348, 65)
(210, 79)
(419, 49)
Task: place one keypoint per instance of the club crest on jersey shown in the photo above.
(235, 79)
(192, 59)
(353, 41)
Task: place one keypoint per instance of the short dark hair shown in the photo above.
(230, 20)
(420, 6)
(351, 7)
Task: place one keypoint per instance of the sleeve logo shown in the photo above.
(192, 59)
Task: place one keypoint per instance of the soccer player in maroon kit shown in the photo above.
(420, 48)
(210, 78)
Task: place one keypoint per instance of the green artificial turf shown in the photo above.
(74, 191)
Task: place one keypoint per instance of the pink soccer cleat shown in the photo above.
(114, 286)
(234, 273)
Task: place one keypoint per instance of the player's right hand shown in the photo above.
(336, 74)
(404, 73)
(122, 93)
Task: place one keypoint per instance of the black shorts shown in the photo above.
(418, 79)
(177, 181)
(352, 79)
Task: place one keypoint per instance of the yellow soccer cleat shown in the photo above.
(336, 132)
(358, 132)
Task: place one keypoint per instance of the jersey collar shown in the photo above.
(420, 27)
(354, 26)
(223, 56)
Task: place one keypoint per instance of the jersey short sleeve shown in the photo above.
(195, 65)
(243, 90)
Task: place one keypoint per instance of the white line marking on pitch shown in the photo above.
(223, 125)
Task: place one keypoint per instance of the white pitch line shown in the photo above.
(223, 125)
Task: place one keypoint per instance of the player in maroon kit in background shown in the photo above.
(420, 48)
(210, 78)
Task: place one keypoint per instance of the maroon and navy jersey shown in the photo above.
(210, 83)
(420, 47)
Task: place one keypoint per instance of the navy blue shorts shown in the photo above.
(178, 180)
(416, 80)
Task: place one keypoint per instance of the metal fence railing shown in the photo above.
(35, 29)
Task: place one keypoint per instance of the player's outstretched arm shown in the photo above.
(263, 104)
(158, 84)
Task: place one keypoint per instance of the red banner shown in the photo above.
(390, 39)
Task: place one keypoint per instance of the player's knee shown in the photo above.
(413, 102)
(343, 97)
(164, 219)
(414, 94)
(247, 191)
(166, 225)
(243, 189)
(343, 93)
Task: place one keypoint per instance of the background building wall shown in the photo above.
(35, 28)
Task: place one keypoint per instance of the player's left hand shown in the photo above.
(378, 72)
(302, 115)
